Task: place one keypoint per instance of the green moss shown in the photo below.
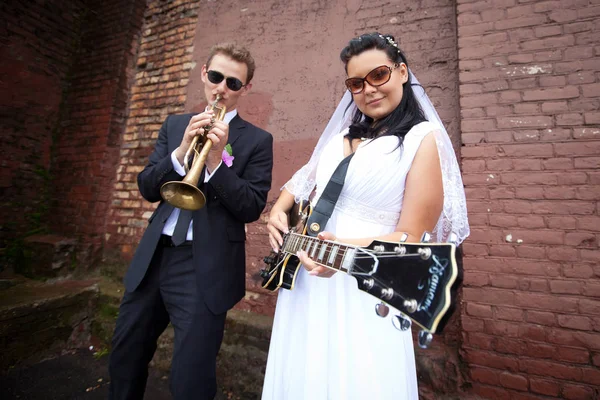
(101, 353)
(106, 314)
(108, 311)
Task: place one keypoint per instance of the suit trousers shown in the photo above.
(168, 293)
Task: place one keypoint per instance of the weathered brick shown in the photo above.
(554, 106)
(528, 192)
(573, 355)
(519, 22)
(569, 119)
(485, 375)
(544, 386)
(479, 310)
(488, 359)
(537, 301)
(578, 271)
(551, 30)
(578, 392)
(531, 252)
(514, 381)
(592, 118)
(551, 94)
(575, 322)
(526, 135)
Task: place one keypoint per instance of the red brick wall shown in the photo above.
(529, 95)
(64, 90)
(88, 143)
(36, 50)
(158, 89)
(298, 82)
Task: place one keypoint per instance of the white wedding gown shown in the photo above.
(327, 342)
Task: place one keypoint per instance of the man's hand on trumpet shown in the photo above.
(218, 135)
(194, 128)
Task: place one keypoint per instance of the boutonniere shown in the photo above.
(227, 155)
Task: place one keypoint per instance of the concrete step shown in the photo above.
(40, 319)
(48, 255)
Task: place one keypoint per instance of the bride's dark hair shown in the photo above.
(406, 115)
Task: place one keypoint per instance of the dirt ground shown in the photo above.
(77, 375)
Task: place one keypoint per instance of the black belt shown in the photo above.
(166, 241)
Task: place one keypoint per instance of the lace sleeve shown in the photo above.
(302, 182)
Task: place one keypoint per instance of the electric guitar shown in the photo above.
(418, 279)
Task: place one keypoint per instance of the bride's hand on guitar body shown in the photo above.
(278, 223)
(313, 268)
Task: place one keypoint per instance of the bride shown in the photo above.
(327, 343)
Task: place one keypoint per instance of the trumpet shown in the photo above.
(185, 194)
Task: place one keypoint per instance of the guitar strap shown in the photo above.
(326, 204)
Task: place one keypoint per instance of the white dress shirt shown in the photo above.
(172, 220)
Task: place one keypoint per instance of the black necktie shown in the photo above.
(181, 227)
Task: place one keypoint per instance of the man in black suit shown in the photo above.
(189, 268)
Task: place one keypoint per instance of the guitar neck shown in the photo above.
(416, 279)
(326, 253)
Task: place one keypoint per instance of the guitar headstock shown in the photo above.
(414, 278)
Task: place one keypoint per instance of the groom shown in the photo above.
(189, 268)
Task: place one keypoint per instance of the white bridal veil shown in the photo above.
(454, 215)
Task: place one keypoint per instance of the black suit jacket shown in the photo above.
(235, 195)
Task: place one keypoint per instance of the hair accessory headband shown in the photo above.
(390, 41)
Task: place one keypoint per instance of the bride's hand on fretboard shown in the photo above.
(312, 267)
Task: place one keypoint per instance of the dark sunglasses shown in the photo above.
(232, 83)
(377, 77)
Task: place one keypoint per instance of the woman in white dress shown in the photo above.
(327, 343)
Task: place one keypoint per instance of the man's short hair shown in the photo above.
(235, 52)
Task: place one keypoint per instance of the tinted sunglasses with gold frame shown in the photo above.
(377, 77)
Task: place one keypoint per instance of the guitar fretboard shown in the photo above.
(329, 254)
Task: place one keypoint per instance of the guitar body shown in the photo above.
(283, 268)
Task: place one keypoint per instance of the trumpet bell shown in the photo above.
(183, 195)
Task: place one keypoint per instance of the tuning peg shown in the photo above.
(425, 339)
(425, 253)
(401, 322)
(382, 310)
(400, 250)
(426, 237)
(268, 259)
(378, 249)
(453, 238)
(264, 273)
(411, 305)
